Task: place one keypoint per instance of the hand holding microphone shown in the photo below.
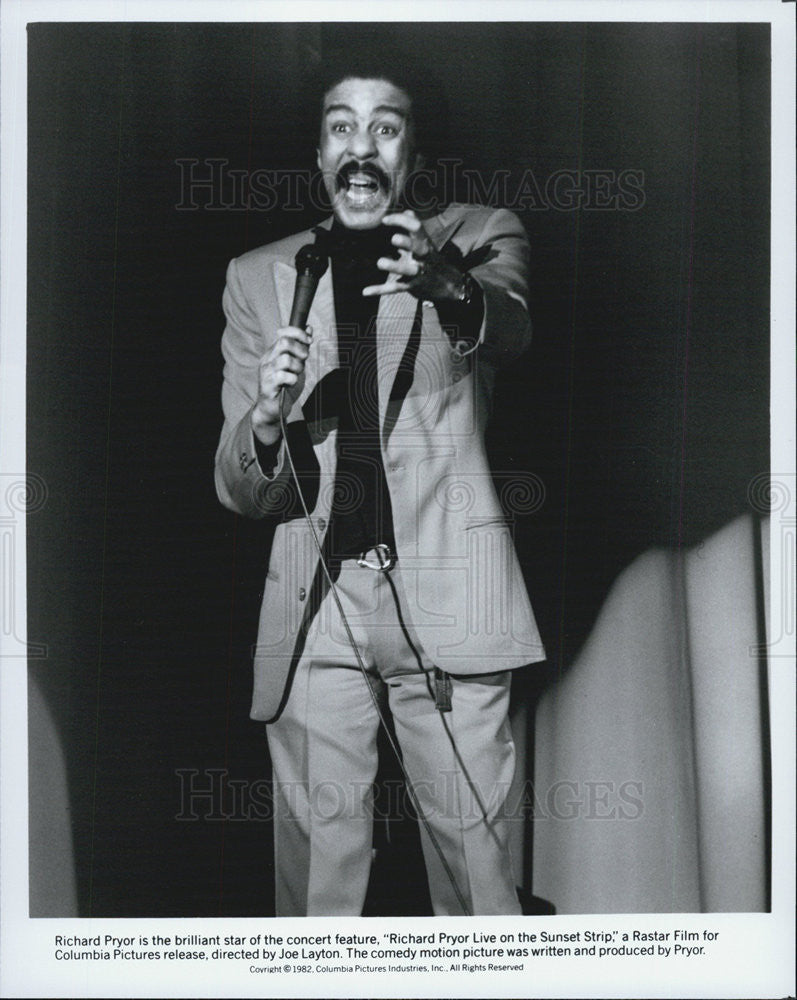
(283, 365)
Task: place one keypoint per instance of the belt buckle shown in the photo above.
(387, 559)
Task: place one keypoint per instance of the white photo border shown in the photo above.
(756, 953)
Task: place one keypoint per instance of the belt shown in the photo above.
(386, 559)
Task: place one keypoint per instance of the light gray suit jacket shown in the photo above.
(466, 594)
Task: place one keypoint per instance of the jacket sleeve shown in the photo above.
(501, 266)
(241, 484)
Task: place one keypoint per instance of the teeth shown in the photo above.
(361, 195)
(362, 181)
(362, 189)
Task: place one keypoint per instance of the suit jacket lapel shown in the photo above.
(440, 233)
(393, 326)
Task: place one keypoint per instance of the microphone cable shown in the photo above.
(383, 722)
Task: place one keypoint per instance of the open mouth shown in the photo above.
(362, 186)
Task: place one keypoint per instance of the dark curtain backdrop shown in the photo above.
(642, 406)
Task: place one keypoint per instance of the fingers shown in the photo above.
(389, 288)
(291, 342)
(288, 349)
(408, 267)
(405, 220)
(418, 244)
(402, 242)
(289, 336)
(285, 362)
(281, 378)
(288, 363)
(281, 368)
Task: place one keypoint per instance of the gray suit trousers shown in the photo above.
(324, 757)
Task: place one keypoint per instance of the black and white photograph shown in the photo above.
(398, 501)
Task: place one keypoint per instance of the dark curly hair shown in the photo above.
(384, 62)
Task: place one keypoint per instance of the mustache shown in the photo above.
(372, 170)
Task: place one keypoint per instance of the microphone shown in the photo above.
(310, 265)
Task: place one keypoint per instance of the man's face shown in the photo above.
(366, 149)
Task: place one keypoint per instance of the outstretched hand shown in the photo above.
(420, 270)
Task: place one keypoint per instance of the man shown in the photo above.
(385, 397)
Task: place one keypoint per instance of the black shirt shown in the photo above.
(361, 511)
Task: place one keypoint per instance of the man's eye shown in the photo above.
(340, 127)
(386, 130)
